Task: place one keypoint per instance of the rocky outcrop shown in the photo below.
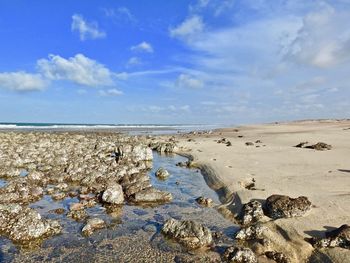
(253, 232)
(240, 255)
(22, 224)
(113, 194)
(190, 234)
(163, 147)
(92, 225)
(339, 237)
(251, 212)
(281, 206)
(162, 174)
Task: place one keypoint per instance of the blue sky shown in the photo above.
(199, 61)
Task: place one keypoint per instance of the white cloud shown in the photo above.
(323, 40)
(22, 81)
(120, 14)
(187, 81)
(78, 69)
(188, 28)
(110, 92)
(143, 47)
(87, 30)
(133, 61)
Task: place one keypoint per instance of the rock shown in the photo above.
(35, 176)
(161, 173)
(253, 232)
(204, 201)
(281, 206)
(249, 143)
(76, 207)
(277, 257)
(78, 215)
(240, 255)
(150, 195)
(251, 212)
(320, 146)
(339, 237)
(164, 147)
(301, 145)
(113, 194)
(188, 233)
(58, 196)
(24, 224)
(228, 143)
(92, 225)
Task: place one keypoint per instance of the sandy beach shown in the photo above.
(271, 165)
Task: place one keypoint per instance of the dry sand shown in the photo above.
(279, 168)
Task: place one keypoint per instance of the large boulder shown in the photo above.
(188, 233)
(25, 224)
(113, 194)
(281, 206)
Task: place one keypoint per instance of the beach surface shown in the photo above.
(272, 165)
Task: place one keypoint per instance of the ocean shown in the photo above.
(128, 128)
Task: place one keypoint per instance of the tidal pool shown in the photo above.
(133, 232)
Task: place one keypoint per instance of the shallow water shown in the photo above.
(133, 232)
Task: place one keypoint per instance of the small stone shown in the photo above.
(253, 232)
(76, 207)
(249, 143)
(240, 255)
(58, 196)
(320, 146)
(281, 206)
(92, 225)
(152, 195)
(277, 257)
(204, 201)
(161, 173)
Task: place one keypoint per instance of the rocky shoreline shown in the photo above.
(110, 170)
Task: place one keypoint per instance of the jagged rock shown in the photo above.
(92, 225)
(35, 176)
(113, 194)
(152, 195)
(204, 201)
(251, 212)
(25, 224)
(163, 147)
(188, 233)
(277, 257)
(280, 206)
(339, 237)
(251, 232)
(161, 173)
(240, 255)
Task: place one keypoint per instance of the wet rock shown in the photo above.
(161, 173)
(240, 255)
(35, 176)
(188, 233)
(339, 237)
(76, 207)
(277, 257)
(113, 194)
(58, 196)
(24, 224)
(152, 195)
(251, 212)
(281, 206)
(92, 225)
(78, 215)
(253, 232)
(204, 201)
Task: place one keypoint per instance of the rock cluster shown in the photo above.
(190, 234)
(94, 167)
(24, 224)
(281, 206)
(251, 212)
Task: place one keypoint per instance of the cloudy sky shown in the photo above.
(199, 61)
